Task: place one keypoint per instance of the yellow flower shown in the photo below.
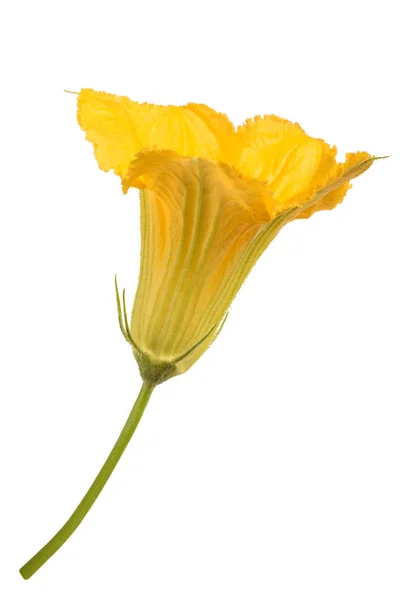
(212, 198)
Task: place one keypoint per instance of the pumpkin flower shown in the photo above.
(212, 198)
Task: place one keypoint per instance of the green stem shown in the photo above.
(91, 495)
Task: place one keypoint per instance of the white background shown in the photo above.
(271, 469)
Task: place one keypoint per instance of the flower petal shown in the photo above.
(221, 127)
(120, 128)
(301, 171)
(281, 154)
(332, 189)
(198, 219)
(269, 129)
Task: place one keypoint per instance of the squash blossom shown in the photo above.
(212, 198)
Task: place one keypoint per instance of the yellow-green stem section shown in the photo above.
(93, 492)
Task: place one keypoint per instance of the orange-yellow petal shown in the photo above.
(269, 129)
(221, 127)
(279, 153)
(300, 171)
(332, 188)
(120, 128)
(198, 220)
